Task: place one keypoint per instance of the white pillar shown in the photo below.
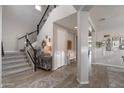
(83, 63)
(0, 46)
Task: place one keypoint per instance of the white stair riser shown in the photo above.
(14, 62)
(13, 58)
(17, 54)
(14, 52)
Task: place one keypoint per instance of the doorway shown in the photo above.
(65, 41)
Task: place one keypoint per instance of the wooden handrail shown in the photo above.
(38, 23)
(38, 26)
(44, 14)
(28, 34)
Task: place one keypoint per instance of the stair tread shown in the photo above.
(16, 71)
(14, 57)
(15, 66)
(13, 52)
(14, 61)
(17, 75)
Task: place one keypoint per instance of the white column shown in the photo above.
(83, 63)
(0, 46)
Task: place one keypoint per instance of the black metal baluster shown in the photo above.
(2, 49)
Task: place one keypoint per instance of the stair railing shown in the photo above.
(32, 36)
(29, 36)
(42, 21)
(2, 49)
(32, 56)
(45, 15)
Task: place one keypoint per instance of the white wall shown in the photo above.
(57, 14)
(60, 39)
(113, 57)
(64, 34)
(112, 25)
(0, 46)
(17, 21)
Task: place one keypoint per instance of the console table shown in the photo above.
(45, 62)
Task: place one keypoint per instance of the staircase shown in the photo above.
(31, 38)
(15, 63)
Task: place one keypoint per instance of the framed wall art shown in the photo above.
(122, 43)
(122, 40)
(108, 44)
(116, 41)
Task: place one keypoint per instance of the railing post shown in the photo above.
(35, 60)
(37, 29)
(26, 37)
(2, 49)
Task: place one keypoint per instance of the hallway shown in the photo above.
(65, 77)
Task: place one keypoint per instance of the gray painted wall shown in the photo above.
(112, 25)
(114, 57)
(17, 21)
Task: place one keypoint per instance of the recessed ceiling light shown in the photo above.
(75, 27)
(38, 7)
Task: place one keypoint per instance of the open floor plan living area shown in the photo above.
(62, 46)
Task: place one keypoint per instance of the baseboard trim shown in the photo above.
(84, 82)
(53, 69)
(109, 65)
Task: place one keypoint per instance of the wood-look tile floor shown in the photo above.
(65, 77)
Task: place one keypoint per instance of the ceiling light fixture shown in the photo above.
(75, 27)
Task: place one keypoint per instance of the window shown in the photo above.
(38, 7)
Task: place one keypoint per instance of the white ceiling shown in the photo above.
(113, 15)
(68, 22)
(83, 7)
(71, 21)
